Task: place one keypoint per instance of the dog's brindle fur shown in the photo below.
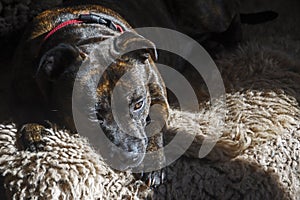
(45, 72)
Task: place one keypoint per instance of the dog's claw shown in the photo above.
(153, 179)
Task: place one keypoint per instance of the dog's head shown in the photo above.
(121, 93)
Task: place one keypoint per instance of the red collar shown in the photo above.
(86, 18)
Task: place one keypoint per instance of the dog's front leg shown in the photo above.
(155, 159)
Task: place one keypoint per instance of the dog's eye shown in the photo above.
(138, 105)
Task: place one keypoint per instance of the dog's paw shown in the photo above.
(153, 179)
(30, 137)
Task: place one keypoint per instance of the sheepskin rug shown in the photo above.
(256, 156)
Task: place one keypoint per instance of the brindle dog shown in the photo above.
(61, 41)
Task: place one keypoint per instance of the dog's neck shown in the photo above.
(86, 19)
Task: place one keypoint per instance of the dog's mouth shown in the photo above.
(125, 152)
(126, 160)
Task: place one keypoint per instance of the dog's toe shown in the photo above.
(30, 137)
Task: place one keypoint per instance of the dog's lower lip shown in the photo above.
(135, 158)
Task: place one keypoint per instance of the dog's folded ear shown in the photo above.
(58, 60)
(131, 41)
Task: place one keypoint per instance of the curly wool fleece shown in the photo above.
(68, 168)
(261, 129)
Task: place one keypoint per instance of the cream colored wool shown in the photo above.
(261, 129)
(68, 168)
(252, 117)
